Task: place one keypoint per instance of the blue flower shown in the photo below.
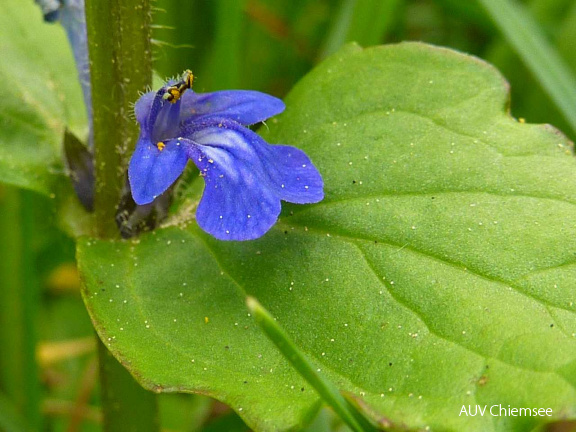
(70, 13)
(245, 177)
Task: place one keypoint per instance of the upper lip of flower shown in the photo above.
(245, 177)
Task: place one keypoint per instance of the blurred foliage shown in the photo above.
(266, 45)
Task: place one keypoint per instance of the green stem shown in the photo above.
(10, 419)
(19, 296)
(126, 405)
(120, 67)
(522, 32)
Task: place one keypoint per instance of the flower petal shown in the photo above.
(246, 178)
(288, 170)
(238, 202)
(142, 108)
(243, 106)
(293, 175)
(157, 117)
(152, 171)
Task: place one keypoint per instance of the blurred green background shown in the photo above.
(48, 366)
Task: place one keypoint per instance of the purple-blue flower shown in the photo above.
(245, 177)
(70, 13)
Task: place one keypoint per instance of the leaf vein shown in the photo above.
(443, 260)
(422, 318)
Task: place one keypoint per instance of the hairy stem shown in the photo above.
(120, 68)
(20, 298)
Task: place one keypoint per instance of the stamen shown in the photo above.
(188, 78)
(160, 145)
(175, 92)
(172, 94)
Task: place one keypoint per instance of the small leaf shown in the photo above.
(439, 271)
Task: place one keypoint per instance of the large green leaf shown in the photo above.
(438, 272)
(39, 95)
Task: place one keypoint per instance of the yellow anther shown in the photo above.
(172, 94)
(175, 92)
(160, 145)
(188, 78)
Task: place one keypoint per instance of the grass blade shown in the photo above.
(523, 33)
(363, 21)
(327, 391)
(20, 300)
(10, 419)
(371, 21)
(224, 63)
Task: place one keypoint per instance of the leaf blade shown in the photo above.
(399, 284)
(39, 95)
